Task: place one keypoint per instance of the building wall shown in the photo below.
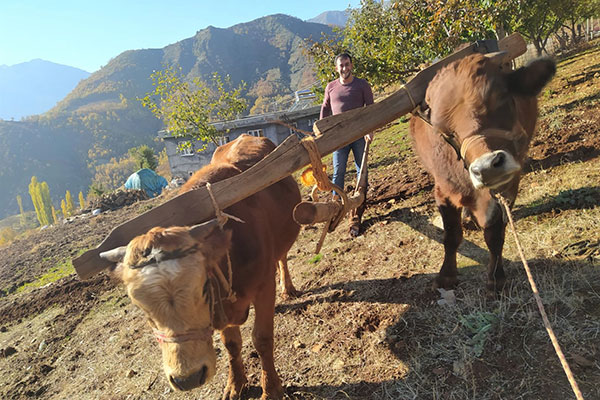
(183, 166)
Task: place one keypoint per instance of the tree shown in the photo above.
(63, 208)
(54, 216)
(69, 204)
(40, 197)
(537, 20)
(81, 200)
(188, 108)
(389, 41)
(21, 212)
(144, 157)
(112, 175)
(163, 168)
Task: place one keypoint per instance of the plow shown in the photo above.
(291, 155)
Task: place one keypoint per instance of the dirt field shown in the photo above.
(367, 325)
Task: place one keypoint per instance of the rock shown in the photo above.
(298, 344)
(7, 352)
(130, 374)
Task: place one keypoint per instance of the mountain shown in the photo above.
(35, 86)
(335, 18)
(101, 118)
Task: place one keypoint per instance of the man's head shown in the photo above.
(343, 66)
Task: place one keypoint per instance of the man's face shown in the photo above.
(344, 67)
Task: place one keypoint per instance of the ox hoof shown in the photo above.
(496, 286)
(273, 394)
(445, 282)
(235, 393)
(288, 294)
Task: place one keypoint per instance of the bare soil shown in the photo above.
(367, 325)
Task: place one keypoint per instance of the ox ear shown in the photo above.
(201, 231)
(115, 255)
(212, 239)
(530, 80)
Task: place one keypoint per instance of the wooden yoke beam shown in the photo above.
(335, 132)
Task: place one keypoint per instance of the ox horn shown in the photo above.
(115, 255)
(201, 231)
(497, 57)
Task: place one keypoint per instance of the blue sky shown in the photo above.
(87, 34)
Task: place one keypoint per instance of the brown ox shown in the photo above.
(489, 116)
(171, 274)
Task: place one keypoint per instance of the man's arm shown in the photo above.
(368, 94)
(326, 106)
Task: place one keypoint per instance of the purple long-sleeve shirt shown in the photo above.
(343, 97)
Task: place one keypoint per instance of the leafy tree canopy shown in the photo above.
(188, 108)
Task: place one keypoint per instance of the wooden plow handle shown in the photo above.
(335, 132)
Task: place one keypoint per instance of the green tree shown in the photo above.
(63, 207)
(81, 200)
(144, 157)
(69, 204)
(188, 108)
(40, 197)
(21, 212)
(47, 201)
(389, 41)
(112, 175)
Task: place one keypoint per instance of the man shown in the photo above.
(343, 94)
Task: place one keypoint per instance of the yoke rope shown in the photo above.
(222, 218)
(409, 96)
(325, 185)
(538, 300)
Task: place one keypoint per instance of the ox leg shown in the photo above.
(237, 382)
(262, 337)
(494, 238)
(453, 235)
(285, 280)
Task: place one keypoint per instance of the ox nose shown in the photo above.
(189, 382)
(493, 169)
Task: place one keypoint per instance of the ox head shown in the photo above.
(489, 113)
(166, 273)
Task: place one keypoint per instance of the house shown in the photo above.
(276, 126)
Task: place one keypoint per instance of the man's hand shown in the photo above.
(369, 137)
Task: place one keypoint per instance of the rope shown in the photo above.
(538, 300)
(323, 182)
(222, 218)
(409, 96)
(325, 185)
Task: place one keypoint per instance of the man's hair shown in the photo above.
(342, 55)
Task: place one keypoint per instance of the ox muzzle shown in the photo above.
(493, 168)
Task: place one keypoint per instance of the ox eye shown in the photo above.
(146, 252)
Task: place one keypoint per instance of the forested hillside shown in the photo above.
(101, 118)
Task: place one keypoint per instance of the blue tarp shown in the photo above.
(147, 180)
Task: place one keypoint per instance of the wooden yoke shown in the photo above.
(335, 132)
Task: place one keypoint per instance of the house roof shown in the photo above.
(293, 114)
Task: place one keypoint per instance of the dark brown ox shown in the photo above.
(489, 115)
(171, 274)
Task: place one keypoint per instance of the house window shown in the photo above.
(256, 132)
(222, 140)
(184, 149)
